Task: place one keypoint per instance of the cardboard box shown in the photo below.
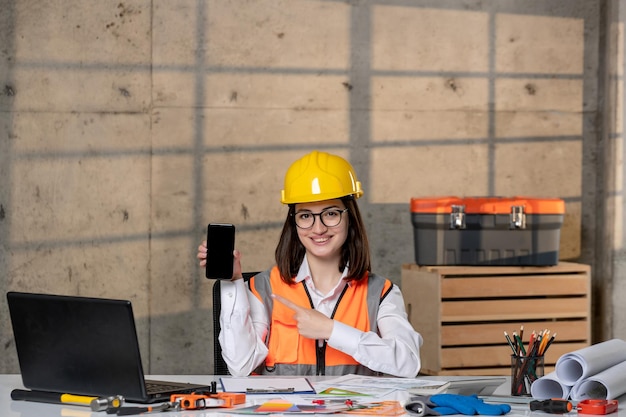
(463, 311)
(486, 231)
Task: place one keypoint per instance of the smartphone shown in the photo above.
(220, 242)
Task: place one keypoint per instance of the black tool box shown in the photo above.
(487, 230)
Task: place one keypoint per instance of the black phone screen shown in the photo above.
(220, 245)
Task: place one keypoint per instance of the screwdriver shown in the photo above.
(553, 406)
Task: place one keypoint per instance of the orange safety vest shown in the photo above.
(291, 354)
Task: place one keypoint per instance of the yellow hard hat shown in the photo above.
(320, 176)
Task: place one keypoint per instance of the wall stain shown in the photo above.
(9, 91)
(2, 212)
(451, 84)
(455, 86)
(126, 10)
(233, 96)
(121, 6)
(124, 92)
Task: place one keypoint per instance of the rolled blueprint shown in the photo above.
(606, 385)
(549, 386)
(580, 364)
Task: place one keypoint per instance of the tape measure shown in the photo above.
(195, 401)
(597, 407)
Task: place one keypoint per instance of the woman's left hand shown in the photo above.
(311, 323)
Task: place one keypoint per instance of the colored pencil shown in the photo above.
(520, 345)
(531, 341)
(548, 344)
(532, 344)
(544, 342)
(510, 342)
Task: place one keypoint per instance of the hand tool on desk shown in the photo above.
(199, 400)
(597, 407)
(416, 408)
(446, 404)
(129, 411)
(230, 399)
(96, 403)
(552, 406)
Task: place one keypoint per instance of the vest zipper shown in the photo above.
(321, 359)
(320, 351)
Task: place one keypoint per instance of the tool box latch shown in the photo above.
(457, 217)
(518, 218)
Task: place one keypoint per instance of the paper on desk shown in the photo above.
(606, 385)
(382, 408)
(298, 385)
(580, 364)
(549, 386)
(282, 406)
(376, 386)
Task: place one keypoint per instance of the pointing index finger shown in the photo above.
(286, 302)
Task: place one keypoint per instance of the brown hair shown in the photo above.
(355, 251)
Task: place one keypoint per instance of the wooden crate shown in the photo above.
(463, 311)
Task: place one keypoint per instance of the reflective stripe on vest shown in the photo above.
(291, 354)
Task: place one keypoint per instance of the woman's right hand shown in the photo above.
(202, 251)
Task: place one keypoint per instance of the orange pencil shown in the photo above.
(549, 343)
(544, 342)
(531, 343)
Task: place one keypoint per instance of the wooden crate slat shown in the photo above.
(491, 356)
(512, 309)
(515, 286)
(492, 333)
(477, 371)
(449, 270)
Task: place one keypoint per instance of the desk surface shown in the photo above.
(10, 408)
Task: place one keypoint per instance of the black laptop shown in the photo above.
(82, 345)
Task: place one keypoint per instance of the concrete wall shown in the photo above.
(127, 126)
(613, 292)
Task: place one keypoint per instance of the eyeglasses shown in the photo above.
(329, 218)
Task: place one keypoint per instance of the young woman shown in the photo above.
(320, 310)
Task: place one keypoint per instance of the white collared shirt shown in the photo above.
(245, 324)
(324, 303)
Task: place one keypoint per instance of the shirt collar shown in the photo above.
(305, 272)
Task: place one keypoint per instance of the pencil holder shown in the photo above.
(524, 371)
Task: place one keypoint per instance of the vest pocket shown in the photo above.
(283, 346)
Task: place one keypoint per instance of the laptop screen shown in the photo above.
(77, 345)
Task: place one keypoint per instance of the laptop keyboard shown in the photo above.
(154, 386)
